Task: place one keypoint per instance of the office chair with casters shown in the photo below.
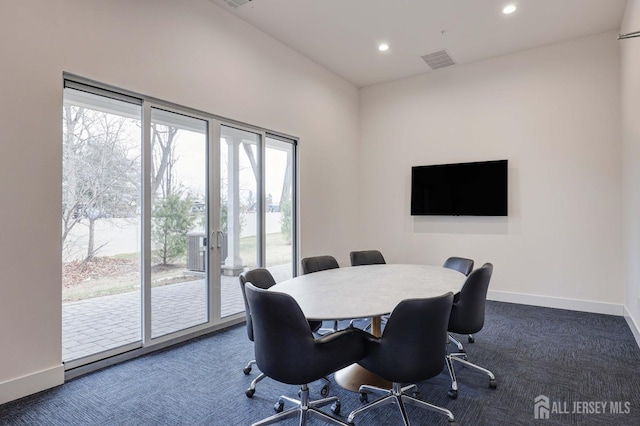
(366, 257)
(460, 264)
(317, 264)
(287, 351)
(464, 266)
(411, 349)
(467, 316)
(262, 278)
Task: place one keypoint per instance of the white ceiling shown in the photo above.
(343, 35)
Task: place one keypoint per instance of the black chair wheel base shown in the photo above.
(364, 398)
(249, 392)
(417, 395)
(246, 370)
(471, 339)
(279, 406)
(453, 393)
(335, 408)
(493, 384)
(324, 391)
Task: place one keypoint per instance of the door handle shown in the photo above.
(219, 240)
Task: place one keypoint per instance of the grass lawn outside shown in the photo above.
(278, 251)
(121, 273)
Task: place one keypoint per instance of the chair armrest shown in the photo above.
(349, 345)
(342, 334)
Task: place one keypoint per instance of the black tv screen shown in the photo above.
(463, 189)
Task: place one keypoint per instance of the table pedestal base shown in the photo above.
(354, 376)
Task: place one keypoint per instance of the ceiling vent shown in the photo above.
(236, 3)
(439, 59)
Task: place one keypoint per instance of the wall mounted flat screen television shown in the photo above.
(463, 189)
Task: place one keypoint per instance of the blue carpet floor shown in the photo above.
(575, 359)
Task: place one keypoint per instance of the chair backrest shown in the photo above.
(366, 257)
(459, 264)
(260, 278)
(318, 263)
(467, 313)
(413, 344)
(283, 339)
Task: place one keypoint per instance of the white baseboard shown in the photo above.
(557, 302)
(633, 325)
(27, 385)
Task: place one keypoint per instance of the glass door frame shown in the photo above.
(295, 254)
(262, 207)
(83, 85)
(213, 251)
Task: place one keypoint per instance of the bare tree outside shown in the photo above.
(103, 217)
(163, 159)
(101, 176)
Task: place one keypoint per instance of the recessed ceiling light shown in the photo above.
(383, 47)
(509, 9)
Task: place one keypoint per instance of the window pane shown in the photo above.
(179, 290)
(239, 218)
(279, 217)
(101, 305)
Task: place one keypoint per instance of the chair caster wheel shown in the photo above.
(249, 392)
(246, 371)
(364, 398)
(471, 339)
(416, 395)
(493, 384)
(335, 408)
(453, 393)
(452, 423)
(279, 406)
(324, 391)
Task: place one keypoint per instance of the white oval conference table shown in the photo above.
(367, 291)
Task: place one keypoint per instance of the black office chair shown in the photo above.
(366, 257)
(412, 349)
(464, 266)
(467, 316)
(317, 264)
(459, 264)
(262, 278)
(287, 351)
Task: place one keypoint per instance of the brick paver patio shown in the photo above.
(98, 324)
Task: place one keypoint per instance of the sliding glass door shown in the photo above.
(163, 208)
(258, 219)
(240, 217)
(280, 207)
(101, 223)
(179, 222)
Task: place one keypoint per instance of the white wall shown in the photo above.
(630, 72)
(554, 113)
(189, 52)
